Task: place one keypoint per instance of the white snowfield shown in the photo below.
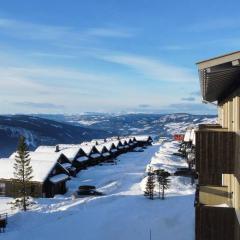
(122, 213)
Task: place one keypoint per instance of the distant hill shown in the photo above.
(40, 131)
(53, 129)
(154, 124)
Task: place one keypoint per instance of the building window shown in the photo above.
(2, 189)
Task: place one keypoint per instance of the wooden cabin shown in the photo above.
(143, 140)
(103, 150)
(112, 147)
(120, 146)
(134, 140)
(82, 155)
(67, 156)
(49, 176)
(95, 156)
(178, 137)
(217, 151)
(124, 144)
(131, 144)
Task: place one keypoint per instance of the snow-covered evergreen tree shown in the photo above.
(22, 173)
(163, 181)
(149, 190)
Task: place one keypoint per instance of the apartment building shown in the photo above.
(217, 202)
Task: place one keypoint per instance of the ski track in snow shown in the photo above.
(123, 213)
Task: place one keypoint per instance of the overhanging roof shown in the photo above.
(219, 76)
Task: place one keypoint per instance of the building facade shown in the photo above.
(217, 202)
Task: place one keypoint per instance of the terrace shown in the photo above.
(215, 153)
(213, 209)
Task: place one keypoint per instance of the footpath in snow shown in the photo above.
(122, 213)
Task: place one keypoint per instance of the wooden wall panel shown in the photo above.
(215, 223)
(215, 152)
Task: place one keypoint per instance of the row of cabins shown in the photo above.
(188, 144)
(54, 165)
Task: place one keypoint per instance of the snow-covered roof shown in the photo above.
(41, 156)
(98, 141)
(66, 165)
(59, 178)
(115, 143)
(106, 154)
(95, 155)
(187, 136)
(41, 169)
(193, 136)
(83, 158)
(109, 145)
(87, 149)
(127, 140)
(101, 147)
(112, 138)
(66, 146)
(142, 138)
(69, 150)
(123, 141)
(43, 148)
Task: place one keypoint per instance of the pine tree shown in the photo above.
(22, 173)
(149, 190)
(158, 173)
(164, 181)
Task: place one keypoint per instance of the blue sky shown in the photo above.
(110, 56)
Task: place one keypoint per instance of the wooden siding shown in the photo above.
(206, 178)
(215, 152)
(215, 223)
(237, 158)
(34, 189)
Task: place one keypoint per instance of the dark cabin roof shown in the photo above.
(219, 76)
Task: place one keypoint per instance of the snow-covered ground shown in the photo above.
(122, 213)
(180, 127)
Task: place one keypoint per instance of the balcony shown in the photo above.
(214, 216)
(215, 153)
(210, 195)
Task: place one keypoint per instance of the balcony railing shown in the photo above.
(216, 223)
(214, 216)
(215, 151)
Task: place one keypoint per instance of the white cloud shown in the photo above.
(34, 31)
(151, 68)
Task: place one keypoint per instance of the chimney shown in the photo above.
(57, 148)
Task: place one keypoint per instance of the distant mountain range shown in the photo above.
(53, 129)
(40, 131)
(125, 124)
